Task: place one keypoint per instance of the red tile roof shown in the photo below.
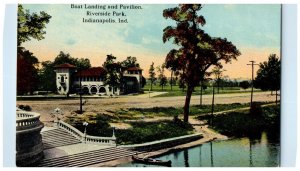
(134, 69)
(92, 72)
(65, 65)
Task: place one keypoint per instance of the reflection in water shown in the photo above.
(243, 152)
(250, 153)
(211, 155)
(186, 158)
(200, 155)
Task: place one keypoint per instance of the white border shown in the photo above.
(289, 102)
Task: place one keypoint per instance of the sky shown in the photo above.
(253, 29)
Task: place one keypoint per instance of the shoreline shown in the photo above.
(208, 136)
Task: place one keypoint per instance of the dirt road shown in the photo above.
(106, 105)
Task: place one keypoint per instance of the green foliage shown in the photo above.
(194, 110)
(241, 124)
(162, 78)
(130, 62)
(31, 25)
(113, 76)
(142, 132)
(197, 50)
(268, 74)
(27, 72)
(152, 74)
(244, 84)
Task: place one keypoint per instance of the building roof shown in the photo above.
(91, 72)
(65, 65)
(134, 69)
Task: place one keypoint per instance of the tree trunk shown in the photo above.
(186, 108)
(151, 86)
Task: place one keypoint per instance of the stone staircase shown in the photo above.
(87, 158)
(57, 138)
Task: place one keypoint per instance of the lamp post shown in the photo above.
(56, 112)
(85, 124)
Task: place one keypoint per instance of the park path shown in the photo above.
(109, 105)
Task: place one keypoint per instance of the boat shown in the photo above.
(152, 161)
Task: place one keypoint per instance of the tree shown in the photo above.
(47, 77)
(114, 74)
(244, 84)
(27, 72)
(31, 25)
(130, 62)
(268, 75)
(197, 50)
(152, 74)
(162, 78)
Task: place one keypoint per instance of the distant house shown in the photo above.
(92, 80)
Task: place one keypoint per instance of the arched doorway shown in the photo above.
(102, 90)
(94, 90)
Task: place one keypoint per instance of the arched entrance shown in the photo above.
(93, 90)
(102, 90)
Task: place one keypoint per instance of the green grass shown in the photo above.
(172, 111)
(241, 123)
(142, 132)
(178, 91)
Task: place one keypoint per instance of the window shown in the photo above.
(62, 79)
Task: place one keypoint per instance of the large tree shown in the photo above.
(152, 74)
(114, 73)
(197, 50)
(268, 75)
(31, 25)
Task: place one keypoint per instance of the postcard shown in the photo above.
(148, 85)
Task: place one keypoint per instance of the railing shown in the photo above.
(26, 120)
(84, 137)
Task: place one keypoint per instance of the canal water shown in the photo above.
(262, 151)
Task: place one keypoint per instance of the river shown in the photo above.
(262, 151)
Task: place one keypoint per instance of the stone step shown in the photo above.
(57, 138)
(87, 158)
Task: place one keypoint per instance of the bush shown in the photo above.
(142, 132)
(25, 107)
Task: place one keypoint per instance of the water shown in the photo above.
(243, 152)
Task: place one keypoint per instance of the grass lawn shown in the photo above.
(242, 123)
(178, 91)
(172, 111)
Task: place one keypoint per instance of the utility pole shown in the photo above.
(252, 64)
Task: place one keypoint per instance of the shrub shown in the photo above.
(25, 107)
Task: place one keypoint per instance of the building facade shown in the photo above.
(69, 79)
